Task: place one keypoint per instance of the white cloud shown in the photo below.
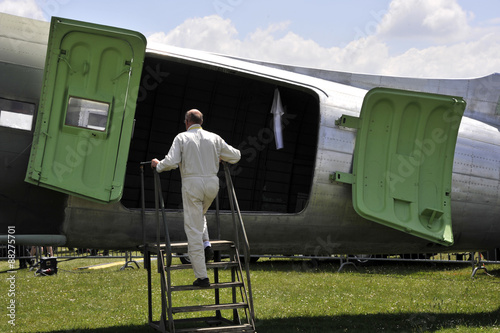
(466, 59)
(420, 38)
(214, 34)
(211, 33)
(433, 20)
(25, 8)
(453, 48)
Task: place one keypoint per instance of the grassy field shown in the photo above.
(289, 296)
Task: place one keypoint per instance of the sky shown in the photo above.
(409, 38)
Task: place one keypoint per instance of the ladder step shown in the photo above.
(219, 264)
(211, 307)
(212, 286)
(234, 328)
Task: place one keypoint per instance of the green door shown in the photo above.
(86, 112)
(403, 160)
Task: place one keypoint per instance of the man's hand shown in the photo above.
(154, 163)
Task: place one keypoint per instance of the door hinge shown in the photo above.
(348, 121)
(342, 177)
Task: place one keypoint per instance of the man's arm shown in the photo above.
(229, 154)
(171, 160)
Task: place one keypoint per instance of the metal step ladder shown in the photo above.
(231, 309)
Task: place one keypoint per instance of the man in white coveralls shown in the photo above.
(197, 152)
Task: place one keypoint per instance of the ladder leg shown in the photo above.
(147, 265)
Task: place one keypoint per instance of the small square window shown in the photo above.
(87, 114)
(16, 114)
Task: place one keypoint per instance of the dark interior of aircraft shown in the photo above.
(236, 106)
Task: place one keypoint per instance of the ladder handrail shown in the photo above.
(233, 202)
(143, 205)
(159, 202)
(240, 227)
(159, 207)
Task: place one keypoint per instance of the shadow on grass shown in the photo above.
(126, 329)
(494, 272)
(371, 267)
(402, 322)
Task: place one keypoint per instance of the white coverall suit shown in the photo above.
(198, 153)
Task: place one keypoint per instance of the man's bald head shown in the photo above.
(194, 116)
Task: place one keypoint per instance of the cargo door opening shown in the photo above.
(238, 108)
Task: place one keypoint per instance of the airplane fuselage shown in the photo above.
(289, 202)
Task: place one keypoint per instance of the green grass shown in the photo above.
(289, 296)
